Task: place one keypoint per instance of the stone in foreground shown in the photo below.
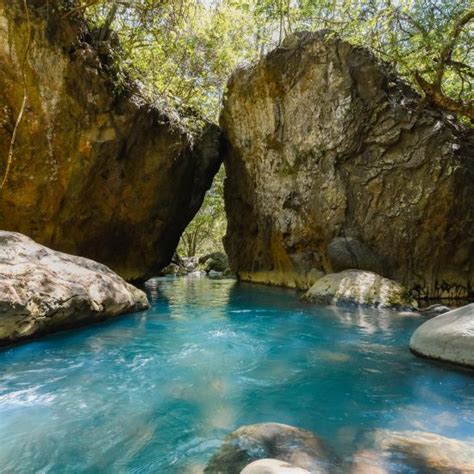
(448, 337)
(272, 466)
(425, 452)
(357, 287)
(44, 291)
(299, 448)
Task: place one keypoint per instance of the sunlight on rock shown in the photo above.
(363, 288)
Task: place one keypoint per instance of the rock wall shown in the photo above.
(95, 173)
(331, 166)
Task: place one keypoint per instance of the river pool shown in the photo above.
(157, 391)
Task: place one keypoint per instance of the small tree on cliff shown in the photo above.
(205, 232)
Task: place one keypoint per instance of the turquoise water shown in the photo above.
(157, 391)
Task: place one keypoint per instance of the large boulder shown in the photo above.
(297, 447)
(356, 287)
(331, 166)
(448, 337)
(97, 171)
(43, 291)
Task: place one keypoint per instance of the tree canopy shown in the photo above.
(205, 232)
(181, 53)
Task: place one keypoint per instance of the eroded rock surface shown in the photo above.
(43, 291)
(448, 337)
(97, 171)
(297, 447)
(330, 166)
(356, 287)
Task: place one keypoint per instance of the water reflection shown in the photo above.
(158, 391)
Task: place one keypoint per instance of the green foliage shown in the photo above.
(205, 232)
(179, 51)
(183, 51)
(429, 42)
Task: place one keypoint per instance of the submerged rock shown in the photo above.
(97, 170)
(299, 448)
(43, 291)
(368, 462)
(356, 287)
(330, 165)
(426, 452)
(448, 337)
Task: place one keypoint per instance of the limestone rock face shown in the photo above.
(330, 166)
(297, 447)
(97, 171)
(43, 291)
(448, 337)
(356, 287)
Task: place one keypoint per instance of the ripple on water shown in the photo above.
(158, 391)
(24, 398)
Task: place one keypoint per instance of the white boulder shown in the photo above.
(43, 291)
(448, 337)
(362, 288)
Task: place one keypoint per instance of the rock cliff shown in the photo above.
(96, 172)
(331, 165)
